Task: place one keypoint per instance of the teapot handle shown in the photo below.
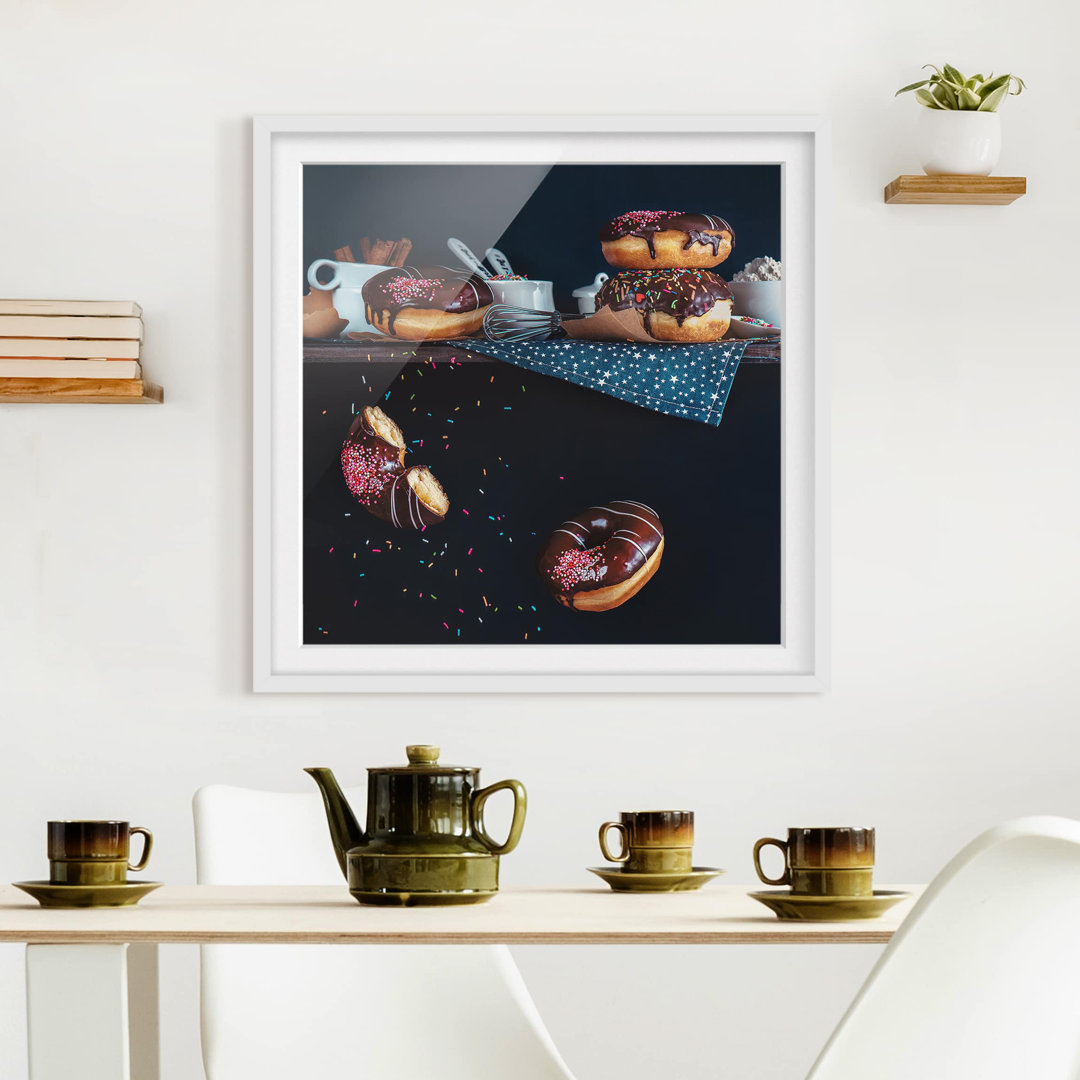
(476, 813)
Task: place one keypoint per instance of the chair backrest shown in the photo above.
(361, 1012)
(982, 981)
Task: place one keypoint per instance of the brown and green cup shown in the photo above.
(653, 841)
(94, 852)
(823, 861)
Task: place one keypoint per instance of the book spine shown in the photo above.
(53, 368)
(69, 326)
(62, 348)
(71, 307)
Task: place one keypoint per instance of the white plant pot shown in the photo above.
(957, 141)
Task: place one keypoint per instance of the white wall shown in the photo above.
(125, 537)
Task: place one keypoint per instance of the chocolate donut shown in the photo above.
(675, 305)
(666, 239)
(603, 556)
(414, 499)
(373, 463)
(435, 302)
(373, 454)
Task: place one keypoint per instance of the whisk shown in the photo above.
(506, 322)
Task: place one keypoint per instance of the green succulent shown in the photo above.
(948, 89)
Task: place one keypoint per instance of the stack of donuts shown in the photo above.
(664, 259)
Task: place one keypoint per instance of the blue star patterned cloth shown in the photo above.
(687, 381)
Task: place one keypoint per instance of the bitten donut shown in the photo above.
(412, 500)
(422, 304)
(675, 305)
(663, 239)
(373, 462)
(603, 556)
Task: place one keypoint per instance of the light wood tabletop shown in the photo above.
(717, 915)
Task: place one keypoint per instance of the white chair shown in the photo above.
(982, 981)
(347, 1012)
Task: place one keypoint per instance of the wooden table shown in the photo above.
(381, 349)
(92, 974)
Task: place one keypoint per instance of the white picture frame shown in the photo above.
(282, 662)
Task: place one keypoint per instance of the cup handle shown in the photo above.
(620, 828)
(785, 878)
(313, 272)
(148, 845)
(476, 812)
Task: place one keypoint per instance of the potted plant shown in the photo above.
(960, 129)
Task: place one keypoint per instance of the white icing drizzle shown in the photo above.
(580, 540)
(626, 513)
(634, 502)
(393, 503)
(627, 539)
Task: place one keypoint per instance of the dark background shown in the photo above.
(521, 452)
(545, 219)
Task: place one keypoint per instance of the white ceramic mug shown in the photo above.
(351, 275)
(347, 281)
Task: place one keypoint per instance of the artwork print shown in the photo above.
(480, 467)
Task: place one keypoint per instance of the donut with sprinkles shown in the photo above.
(600, 558)
(373, 464)
(436, 302)
(674, 305)
(666, 239)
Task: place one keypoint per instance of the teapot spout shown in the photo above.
(345, 830)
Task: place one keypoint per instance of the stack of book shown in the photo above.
(71, 349)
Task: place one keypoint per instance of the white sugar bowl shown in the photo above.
(586, 295)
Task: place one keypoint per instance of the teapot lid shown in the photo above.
(423, 759)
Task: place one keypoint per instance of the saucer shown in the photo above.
(80, 896)
(679, 881)
(789, 905)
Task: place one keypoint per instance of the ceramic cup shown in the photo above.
(823, 862)
(94, 852)
(346, 282)
(759, 300)
(653, 841)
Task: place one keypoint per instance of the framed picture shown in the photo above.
(518, 429)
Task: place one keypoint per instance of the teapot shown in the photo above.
(425, 840)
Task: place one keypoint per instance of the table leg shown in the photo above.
(79, 999)
(142, 967)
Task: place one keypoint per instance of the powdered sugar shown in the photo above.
(763, 269)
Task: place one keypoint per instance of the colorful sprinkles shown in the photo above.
(410, 290)
(633, 220)
(445, 560)
(575, 566)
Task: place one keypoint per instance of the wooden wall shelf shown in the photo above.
(956, 190)
(82, 391)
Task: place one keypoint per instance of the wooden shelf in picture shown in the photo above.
(82, 391)
(381, 349)
(955, 190)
